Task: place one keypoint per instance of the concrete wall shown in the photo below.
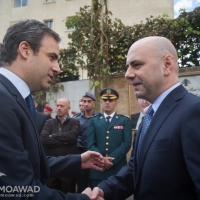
(73, 91)
(127, 103)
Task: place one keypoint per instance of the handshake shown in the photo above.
(96, 194)
(94, 160)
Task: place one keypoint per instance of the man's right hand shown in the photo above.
(97, 193)
(89, 192)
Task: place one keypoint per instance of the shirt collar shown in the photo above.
(20, 85)
(64, 120)
(83, 114)
(105, 115)
(160, 99)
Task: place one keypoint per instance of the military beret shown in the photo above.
(48, 108)
(109, 93)
(90, 95)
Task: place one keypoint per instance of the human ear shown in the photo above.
(168, 64)
(24, 49)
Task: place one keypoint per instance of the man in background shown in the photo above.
(110, 134)
(41, 118)
(48, 110)
(88, 101)
(137, 118)
(81, 107)
(59, 137)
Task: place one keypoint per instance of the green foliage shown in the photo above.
(101, 48)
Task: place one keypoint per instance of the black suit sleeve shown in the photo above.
(18, 162)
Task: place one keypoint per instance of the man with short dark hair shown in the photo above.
(88, 100)
(29, 61)
(81, 106)
(110, 134)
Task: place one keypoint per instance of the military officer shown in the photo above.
(109, 134)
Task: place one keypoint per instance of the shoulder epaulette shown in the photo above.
(76, 115)
(98, 114)
(93, 116)
(125, 115)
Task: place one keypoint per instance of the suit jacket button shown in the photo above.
(107, 137)
(107, 131)
(106, 149)
(107, 143)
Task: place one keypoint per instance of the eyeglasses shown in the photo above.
(85, 101)
(80, 105)
(110, 100)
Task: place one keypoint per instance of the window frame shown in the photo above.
(21, 3)
(49, 21)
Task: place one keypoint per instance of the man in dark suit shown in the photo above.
(109, 134)
(29, 60)
(165, 161)
(41, 118)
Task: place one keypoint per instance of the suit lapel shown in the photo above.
(15, 93)
(103, 120)
(164, 110)
(137, 135)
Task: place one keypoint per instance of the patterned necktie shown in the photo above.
(145, 124)
(108, 120)
(31, 106)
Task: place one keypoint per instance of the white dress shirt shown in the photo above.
(160, 99)
(21, 86)
(111, 116)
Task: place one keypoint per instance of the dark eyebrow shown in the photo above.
(132, 63)
(53, 55)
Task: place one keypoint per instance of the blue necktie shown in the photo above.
(145, 124)
(108, 120)
(31, 106)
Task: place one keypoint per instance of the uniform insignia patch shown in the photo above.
(119, 127)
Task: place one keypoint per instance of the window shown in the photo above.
(49, 23)
(49, 0)
(70, 23)
(20, 3)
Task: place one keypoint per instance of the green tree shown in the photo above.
(100, 44)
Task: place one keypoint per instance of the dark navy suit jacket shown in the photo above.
(22, 158)
(168, 167)
(41, 119)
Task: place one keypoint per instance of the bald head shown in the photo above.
(161, 46)
(63, 107)
(152, 66)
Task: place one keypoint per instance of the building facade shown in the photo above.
(55, 12)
